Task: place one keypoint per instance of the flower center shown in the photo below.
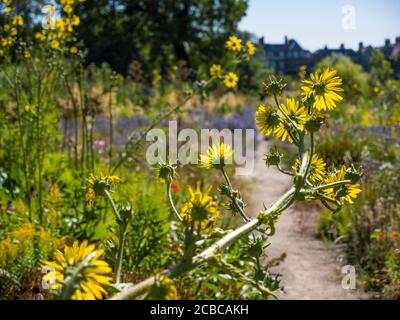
(319, 88)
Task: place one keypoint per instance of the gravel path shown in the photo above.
(311, 269)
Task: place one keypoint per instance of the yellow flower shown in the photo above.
(27, 107)
(216, 70)
(55, 44)
(74, 50)
(40, 36)
(234, 43)
(68, 9)
(13, 32)
(27, 54)
(8, 10)
(344, 193)
(231, 80)
(75, 20)
(317, 167)
(6, 42)
(96, 186)
(325, 88)
(17, 21)
(200, 208)
(251, 48)
(217, 156)
(94, 276)
(7, 2)
(295, 112)
(266, 119)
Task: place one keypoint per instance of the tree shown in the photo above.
(157, 33)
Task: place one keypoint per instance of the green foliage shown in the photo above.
(381, 69)
(158, 34)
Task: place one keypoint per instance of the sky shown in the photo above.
(315, 24)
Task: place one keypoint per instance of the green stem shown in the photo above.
(171, 202)
(209, 253)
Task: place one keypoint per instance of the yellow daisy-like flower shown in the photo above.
(345, 193)
(94, 275)
(325, 88)
(297, 113)
(55, 44)
(27, 54)
(68, 9)
(17, 21)
(266, 119)
(75, 20)
(317, 168)
(234, 44)
(231, 80)
(8, 10)
(251, 48)
(217, 156)
(200, 208)
(7, 2)
(73, 50)
(216, 70)
(13, 32)
(40, 36)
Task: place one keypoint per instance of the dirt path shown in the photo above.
(311, 269)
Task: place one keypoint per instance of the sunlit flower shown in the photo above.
(13, 32)
(216, 70)
(7, 2)
(27, 54)
(200, 208)
(68, 9)
(40, 36)
(234, 43)
(251, 48)
(266, 119)
(317, 167)
(94, 276)
(8, 10)
(344, 193)
(17, 21)
(217, 156)
(97, 185)
(74, 50)
(325, 88)
(75, 20)
(296, 113)
(231, 80)
(54, 44)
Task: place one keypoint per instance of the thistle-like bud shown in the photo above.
(353, 174)
(273, 157)
(274, 87)
(166, 171)
(125, 211)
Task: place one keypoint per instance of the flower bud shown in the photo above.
(274, 87)
(273, 157)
